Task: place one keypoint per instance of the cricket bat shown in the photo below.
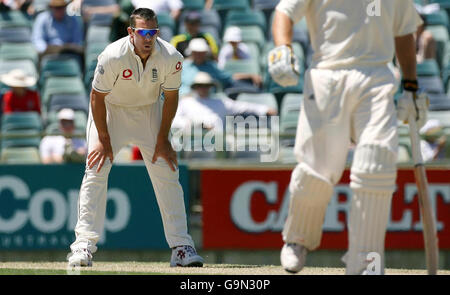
(426, 211)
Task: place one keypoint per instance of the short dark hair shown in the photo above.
(144, 13)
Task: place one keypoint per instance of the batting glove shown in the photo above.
(283, 66)
(412, 103)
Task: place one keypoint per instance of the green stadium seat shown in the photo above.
(59, 85)
(428, 67)
(20, 155)
(20, 138)
(246, 18)
(21, 121)
(24, 64)
(59, 68)
(97, 34)
(291, 102)
(14, 18)
(247, 66)
(193, 4)
(19, 51)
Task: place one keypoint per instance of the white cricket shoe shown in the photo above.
(293, 257)
(80, 257)
(185, 256)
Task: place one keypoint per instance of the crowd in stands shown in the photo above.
(49, 49)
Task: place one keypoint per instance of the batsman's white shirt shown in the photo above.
(134, 111)
(349, 89)
(120, 73)
(349, 32)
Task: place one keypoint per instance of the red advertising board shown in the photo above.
(246, 209)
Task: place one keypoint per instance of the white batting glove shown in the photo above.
(412, 103)
(283, 66)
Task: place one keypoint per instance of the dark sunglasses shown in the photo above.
(145, 32)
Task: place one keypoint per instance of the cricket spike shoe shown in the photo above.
(80, 257)
(185, 256)
(293, 257)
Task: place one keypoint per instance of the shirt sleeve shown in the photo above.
(38, 33)
(174, 68)
(7, 107)
(105, 75)
(37, 102)
(77, 33)
(295, 9)
(235, 107)
(406, 18)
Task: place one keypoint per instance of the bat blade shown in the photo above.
(426, 210)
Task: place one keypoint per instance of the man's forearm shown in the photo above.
(282, 29)
(99, 114)
(168, 113)
(405, 48)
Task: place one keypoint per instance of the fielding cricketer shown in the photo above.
(348, 97)
(126, 108)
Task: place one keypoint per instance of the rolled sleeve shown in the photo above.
(174, 69)
(105, 75)
(406, 18)
(295, 9)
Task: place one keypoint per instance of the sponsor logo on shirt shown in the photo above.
(100, 69)
(154, 75)
(178, 67)
(126, 74)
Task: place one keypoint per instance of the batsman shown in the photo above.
(348, 98)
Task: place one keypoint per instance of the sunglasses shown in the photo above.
(145, 32)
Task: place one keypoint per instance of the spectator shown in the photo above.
(433, 142)
(198, 62)
(425, 43)
(201, 109)
(192, 23)
(86, 11)
(63, 148)
(234, 48)
(25, 6)
(172, 7)
(20, 98)
(56, 32)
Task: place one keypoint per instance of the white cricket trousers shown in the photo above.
(139, 126)
(340, 107)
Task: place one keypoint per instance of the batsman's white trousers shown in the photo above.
(340, 106)
(140, 126)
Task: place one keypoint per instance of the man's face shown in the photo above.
(199, 57)
(67, 126)
(143, 44)
(192, 27)
(58, 12)
(203, 90)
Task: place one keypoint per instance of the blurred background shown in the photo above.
(236, 203)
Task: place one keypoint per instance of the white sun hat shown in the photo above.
(203, 78)
(198, 45)
(233, 34)
(66, 114)
(18, 78)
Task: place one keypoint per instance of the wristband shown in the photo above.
(410, 85)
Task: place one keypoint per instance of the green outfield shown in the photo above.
(162, 268)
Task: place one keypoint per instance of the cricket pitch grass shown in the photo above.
(163, 268)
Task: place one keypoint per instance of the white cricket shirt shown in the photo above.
(353, 32)
(121, 74)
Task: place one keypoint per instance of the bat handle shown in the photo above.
(415, 141)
